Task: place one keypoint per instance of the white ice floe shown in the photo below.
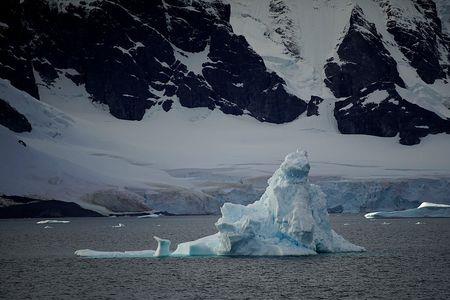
(290, 219)
(425, 210)
(52, 222)
(120, 225)
(115, 254)
(148, 216)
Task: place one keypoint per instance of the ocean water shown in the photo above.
(404, 260)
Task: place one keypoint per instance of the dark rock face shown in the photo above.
(22, 207)
(336, 209)
(419, 39)
(364, 60)
(313, 106)
(284, 26)
(15, 61)
(357, 117)
(367, 76)
(12, 119)
(389, 116)
(132, 55)
(232, 76)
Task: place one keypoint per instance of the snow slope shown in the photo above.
(443, 7)
(182, 161)
(318, 26)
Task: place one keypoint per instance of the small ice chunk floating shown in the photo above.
(291, 218)
(120, 225)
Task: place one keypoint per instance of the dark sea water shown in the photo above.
(404, 261)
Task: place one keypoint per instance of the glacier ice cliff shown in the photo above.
(425, 210)
(291, 218)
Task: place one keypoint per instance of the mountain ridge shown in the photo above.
(205, 121)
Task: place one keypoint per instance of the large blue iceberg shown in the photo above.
(291, 218)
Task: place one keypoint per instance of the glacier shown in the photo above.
(290, 218)
(425, 210)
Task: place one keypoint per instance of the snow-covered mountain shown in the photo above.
(384, 63)
(183, 105)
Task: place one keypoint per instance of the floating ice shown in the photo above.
(148, 216)
(290, 219)
(163, 247)
(52, 222)
(115, 254)
(425, 210)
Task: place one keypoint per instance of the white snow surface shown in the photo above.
(376, 97)
(443, 8)
(425, 210)
(192, 60)
(290, 219)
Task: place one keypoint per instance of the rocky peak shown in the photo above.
(362, 60)
(417, 30)
(134, 55)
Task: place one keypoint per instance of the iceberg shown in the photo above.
(52, 222)
(120, 225)
(425, 210)
(163, 247)
(115, 254)
(290, 218)
(161, 251)
(148, 216)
